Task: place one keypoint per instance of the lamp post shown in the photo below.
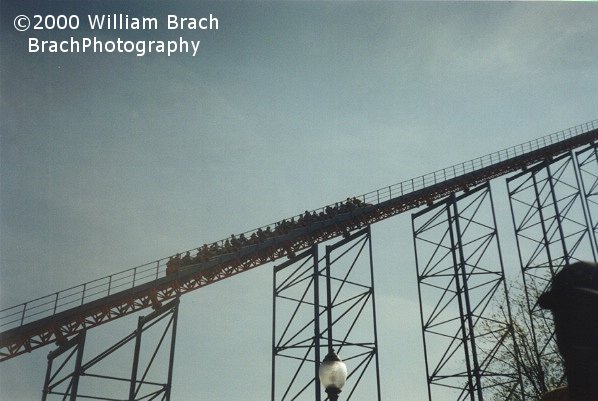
(333, 374)
(333, 371)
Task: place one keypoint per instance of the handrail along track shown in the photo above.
(55, 317)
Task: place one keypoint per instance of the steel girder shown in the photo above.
(44, 320)
(587, 163)
(299, 330)
(468, 344)
(92, 380)
(553, 206)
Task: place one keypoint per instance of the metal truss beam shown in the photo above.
(84, 382)
(587, 164)
(48, 319)
(552, 211)
(299, 341)
(460, 280)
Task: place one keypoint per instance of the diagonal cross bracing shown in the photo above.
(464, 341)
(299, 332)
(44, 320)
(553, 209)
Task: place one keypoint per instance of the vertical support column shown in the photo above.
(138, 332)
(78, 368)
(375, 321)
(552, 219)
(587, 175)
(329, 306)
(354, 339)
(77, 344)
(175, 319)
(298, 339)
(317, 330)
(45, 389)
(295, 327)
(141, 384)
(473, 376)
(465, 312)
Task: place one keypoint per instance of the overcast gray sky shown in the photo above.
(112, 160)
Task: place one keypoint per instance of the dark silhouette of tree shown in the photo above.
(532, 352)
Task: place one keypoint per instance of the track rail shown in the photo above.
(57, 316)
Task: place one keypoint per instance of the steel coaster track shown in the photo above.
(58, 316)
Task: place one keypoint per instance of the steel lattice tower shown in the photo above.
(552, 185)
